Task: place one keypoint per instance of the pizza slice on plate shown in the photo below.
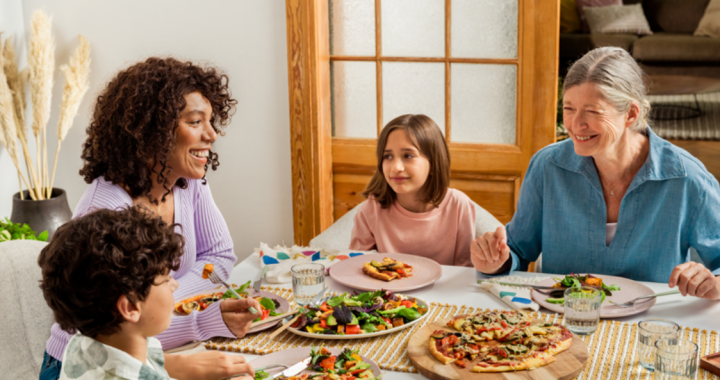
(388, 269)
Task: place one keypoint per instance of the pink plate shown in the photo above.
(629, 290)
(284, 304)
(349, 273)
(295, 355)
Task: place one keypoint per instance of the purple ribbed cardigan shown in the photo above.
(207, 240)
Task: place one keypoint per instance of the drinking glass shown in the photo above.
(308, 280)
(649, 332)
(675, 359)
(582, 310)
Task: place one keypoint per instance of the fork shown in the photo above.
(215, 279)
(632, 302)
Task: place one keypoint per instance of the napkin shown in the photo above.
(517, 297)
(280, 259)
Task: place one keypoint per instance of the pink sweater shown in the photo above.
(443, 234)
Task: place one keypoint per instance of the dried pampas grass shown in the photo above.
(41, 62)
(39, 75)
(8, 128)
(76, 85)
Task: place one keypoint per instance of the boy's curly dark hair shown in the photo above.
(93, 260)
(135, 117)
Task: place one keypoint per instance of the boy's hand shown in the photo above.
(236, 315)
(209, 365)
(490, 252)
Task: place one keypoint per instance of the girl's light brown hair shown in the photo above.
(427, 138)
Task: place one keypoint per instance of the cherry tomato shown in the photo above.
(407, 304)
(352, 329)
(323, 323)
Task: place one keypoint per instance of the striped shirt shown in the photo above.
(207, 240)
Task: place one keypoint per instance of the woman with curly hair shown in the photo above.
(150, 144)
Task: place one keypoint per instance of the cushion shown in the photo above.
(674, 16)
(576, 45)
(569, 17)
(670, 47)
(710, 22)
(26, 319)
(581, 4)
(617, 19)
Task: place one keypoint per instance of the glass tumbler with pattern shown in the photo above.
(649, 332)
(307, 280)
(675, 359)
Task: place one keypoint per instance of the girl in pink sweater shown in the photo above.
(410, 208)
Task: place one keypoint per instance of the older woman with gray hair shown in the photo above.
(615, 198)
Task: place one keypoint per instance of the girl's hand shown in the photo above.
(209, 365)
(236, 315)
(694, 279)
(490, 252)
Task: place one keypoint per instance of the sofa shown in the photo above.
(670, 50)
(26, 319)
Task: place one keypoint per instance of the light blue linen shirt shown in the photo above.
(672, 204)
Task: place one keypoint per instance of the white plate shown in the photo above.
(362, 336)
(295, 355)
(284, 304)
(349, 273)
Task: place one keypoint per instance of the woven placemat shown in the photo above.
(616, 339)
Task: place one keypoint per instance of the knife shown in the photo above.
(258, 282)
(295, 369)
(521, 285)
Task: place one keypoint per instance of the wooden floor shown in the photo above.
(708, 152)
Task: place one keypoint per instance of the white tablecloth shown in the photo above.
(458, 286)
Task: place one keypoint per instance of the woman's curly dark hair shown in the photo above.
(93, 260)
(135, 117)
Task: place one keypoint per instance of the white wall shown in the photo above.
(246, 38)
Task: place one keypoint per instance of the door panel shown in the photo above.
(490, 86)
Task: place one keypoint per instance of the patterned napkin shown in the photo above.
(517, 297)
(280, 259)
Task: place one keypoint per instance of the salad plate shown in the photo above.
(364, 315)
(629, 290)
(291, 356)
(276, 306)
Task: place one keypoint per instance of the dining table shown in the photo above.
(458, 285)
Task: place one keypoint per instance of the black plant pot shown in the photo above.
(46, 215)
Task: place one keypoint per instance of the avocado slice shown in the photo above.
(331, 321)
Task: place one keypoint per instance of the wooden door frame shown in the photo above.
(311, 141)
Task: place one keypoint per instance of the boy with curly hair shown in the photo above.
(106, 275)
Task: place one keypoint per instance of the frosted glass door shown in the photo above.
(354, 99)
(411, 87)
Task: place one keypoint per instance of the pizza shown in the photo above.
(387, 270)
(501, 340)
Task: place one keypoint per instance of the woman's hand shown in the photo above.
(209, 365)
(236, 315)
(694, 279)
(490, 252)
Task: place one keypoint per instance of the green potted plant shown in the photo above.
(40, 205)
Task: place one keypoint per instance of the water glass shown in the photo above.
(649, 332)
(308, 280)
(675, 359)
(582, 309)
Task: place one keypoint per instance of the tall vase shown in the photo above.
(45, 215)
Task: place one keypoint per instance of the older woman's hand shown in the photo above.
(236, 315)
(209, 365)
(694, 279)
(490, 252)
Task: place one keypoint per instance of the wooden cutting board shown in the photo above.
(567, 366)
